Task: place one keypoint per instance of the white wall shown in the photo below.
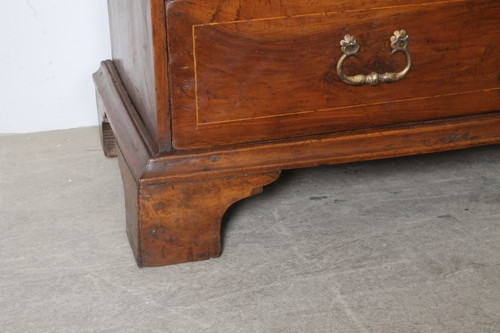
(48, 52)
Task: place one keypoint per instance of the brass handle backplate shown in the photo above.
(350, 47)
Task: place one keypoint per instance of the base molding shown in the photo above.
(175, 200)
(337, 148)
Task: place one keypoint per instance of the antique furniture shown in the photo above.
(208, 100)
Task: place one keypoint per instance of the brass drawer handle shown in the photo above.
(399, 43)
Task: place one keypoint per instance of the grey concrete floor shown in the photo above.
(400, 245)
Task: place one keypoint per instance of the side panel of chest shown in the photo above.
(274, 76)
(138, 39)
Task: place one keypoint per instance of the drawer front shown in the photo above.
(270, 74)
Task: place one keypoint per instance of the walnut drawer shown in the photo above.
(271, 74)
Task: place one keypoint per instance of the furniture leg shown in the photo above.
(176, 222)
(108, 140)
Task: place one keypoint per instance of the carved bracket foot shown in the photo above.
(181, 221)
(108, 140)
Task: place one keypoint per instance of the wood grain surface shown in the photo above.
(139, 47)
(271, 76)
(209, 100)
(181, 221)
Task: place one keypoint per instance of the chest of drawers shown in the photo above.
(205, 102)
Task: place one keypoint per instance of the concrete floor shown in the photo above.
(400, 245)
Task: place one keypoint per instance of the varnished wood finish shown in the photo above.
(271, 76)
(177, 222)
(182, 221)
(354, 146)
(131, 193)
(186, 154)
(139, 46)
(128, 128)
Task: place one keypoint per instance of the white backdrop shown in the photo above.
(48, 52)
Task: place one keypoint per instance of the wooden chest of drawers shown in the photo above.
(208, 101)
